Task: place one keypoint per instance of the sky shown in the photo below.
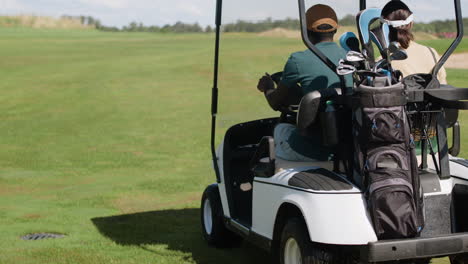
(161, 12)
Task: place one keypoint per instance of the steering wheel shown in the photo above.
(276, 77)
(294, 96)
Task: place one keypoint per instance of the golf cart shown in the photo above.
(352, 209)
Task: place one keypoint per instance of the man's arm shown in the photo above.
(277, 97)
(286, 92)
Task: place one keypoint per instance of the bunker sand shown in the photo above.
(458, 61)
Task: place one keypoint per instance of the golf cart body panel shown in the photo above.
(458, 168)
(221, 183)
(344, 213)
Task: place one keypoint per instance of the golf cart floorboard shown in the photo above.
(415, 248)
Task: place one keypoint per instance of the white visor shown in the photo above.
(398, 23)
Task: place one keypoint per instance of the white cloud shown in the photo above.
(159, 12)
(11, 5)
(261, 9)
(190, 8)
(114, 4)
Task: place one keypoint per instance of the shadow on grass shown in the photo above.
(178, 229)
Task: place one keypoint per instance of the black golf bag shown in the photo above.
(386, 160)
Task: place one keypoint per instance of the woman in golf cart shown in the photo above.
(307, 70)
(421, 59)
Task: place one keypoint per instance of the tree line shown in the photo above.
(438, 27)
(178, 27)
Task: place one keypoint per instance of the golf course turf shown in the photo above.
(104, 137)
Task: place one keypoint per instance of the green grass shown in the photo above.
(105, 137)
(96, 125)
(441, 45)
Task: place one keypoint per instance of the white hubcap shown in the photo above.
(292, 252)
(207, 217)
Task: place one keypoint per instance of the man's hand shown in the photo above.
(265, 83)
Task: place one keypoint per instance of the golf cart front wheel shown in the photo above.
(212, 217)
(296, 247)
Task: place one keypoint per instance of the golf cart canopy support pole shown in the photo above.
(456, 42)
(214, 94)
(362, 4)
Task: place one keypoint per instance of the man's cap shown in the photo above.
(392, 6)
(319, 15)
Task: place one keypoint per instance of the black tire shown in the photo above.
(459, 259)
(311, 253)
(215, 233)
(417, 261)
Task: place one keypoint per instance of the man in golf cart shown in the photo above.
(306, 72)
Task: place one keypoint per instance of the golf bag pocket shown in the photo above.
(388, 157)
(392, 206)
(384, 125)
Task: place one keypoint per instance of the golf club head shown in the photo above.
(380, 36)
(365, 19)
(377, 42)
(380, 65)
(349, 41)
(399, 55)
(393, 47)
(354, 56)
(345, 69)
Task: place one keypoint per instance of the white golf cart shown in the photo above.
(317, 212)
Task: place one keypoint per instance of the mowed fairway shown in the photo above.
(104, 137)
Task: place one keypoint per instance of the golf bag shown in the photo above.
(386, 160)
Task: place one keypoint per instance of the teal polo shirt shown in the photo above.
(312, 74)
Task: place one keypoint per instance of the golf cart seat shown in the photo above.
(269, 166)
(265, 163)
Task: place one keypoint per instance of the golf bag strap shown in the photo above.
(433, 55)
(450, 98)
(435, 61)
(380, 100)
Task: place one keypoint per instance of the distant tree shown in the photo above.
(154, 29)
(97, 24)
(262, 25)
(348, 20)
(438, 27)
(133, 26)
